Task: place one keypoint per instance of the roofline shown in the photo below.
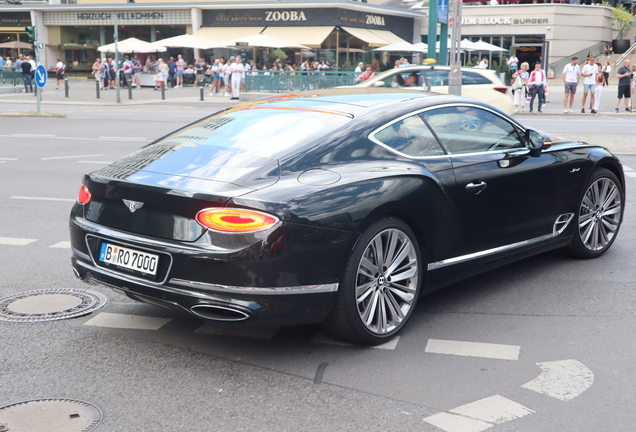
(310, 4)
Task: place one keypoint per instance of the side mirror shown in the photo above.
(378, 84)
(537, 141)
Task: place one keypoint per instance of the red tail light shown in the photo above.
(504, 90)
(84, 196)
(229, 220)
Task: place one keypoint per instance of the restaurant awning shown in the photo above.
(375, 38)
(311, 36)
(227, 33)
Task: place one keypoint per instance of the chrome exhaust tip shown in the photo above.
(219, 313)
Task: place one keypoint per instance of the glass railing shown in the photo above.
(10, 77)
(288, 81)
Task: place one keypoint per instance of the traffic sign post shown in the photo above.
(40, 81)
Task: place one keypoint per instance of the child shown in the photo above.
(158, 80)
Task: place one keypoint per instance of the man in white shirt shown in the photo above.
(589, 83)
(483, 64)
(513, 63)
(571, 75)
(227, 75)
(60, 68)
(237, 75)
(537, 83)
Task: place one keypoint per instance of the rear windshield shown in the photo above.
(262, 131)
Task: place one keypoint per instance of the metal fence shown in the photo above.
(10, 78)
(285, 81)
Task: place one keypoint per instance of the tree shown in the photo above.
(622, 18)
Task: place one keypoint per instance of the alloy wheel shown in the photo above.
(600, 214)
(386, 281)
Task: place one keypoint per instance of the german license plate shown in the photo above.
(129, 258)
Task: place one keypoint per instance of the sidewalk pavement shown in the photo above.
(83, 92)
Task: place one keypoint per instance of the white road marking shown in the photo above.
(454, 423)
(8, 159)
(324, 338)
(136, 322)
(123, 138)
(473, 349)
(626, 168)
(95, 162)
(493, 409)
(43, 198)
(562, 379)
(61, 245)
(71, 157)
(16, 241)
(222, 329)
(31, 135)
(630, 174)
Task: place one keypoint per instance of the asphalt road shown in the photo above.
(551, 335)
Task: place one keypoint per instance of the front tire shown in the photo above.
(380, 285)
(599, 215)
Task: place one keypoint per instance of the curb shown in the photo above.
(49, 115)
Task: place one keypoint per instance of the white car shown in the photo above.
(480, 84)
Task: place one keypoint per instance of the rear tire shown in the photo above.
(380, 285)
(599, 215)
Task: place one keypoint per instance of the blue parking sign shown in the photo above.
(40, 76)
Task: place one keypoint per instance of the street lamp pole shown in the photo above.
(116, 37)
(455, 77)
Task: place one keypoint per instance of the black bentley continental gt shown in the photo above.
(338, 208)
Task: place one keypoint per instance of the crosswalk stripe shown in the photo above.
(61, 245)
(473, 349)
(323, 338)
(494, 409)
(455, 423)
(125, 321)
(630, 174)
(16, 241)
(234, 330)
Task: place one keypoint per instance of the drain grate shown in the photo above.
(50, 415)
(50, 305)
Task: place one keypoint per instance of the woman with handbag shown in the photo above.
(519, 92)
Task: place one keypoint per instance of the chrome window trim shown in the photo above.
(564, 220)
(372, 134)
(300, 289)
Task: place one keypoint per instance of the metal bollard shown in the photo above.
(202, 90)
(65, 87)
(97, 88)
(163, 91)
(429, 83)
(129, 91)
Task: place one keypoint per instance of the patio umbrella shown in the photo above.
(485, 46)
(15, 45)
(264, 41)
(189, 41)
(465, 45)
(132, 45)
(402, 47)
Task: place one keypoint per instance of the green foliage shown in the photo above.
(347, 67)
(280, 54)
(622, 18)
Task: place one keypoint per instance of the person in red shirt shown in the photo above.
(537, 83)
(368, 73)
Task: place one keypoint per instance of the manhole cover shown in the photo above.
(50, 415)
(49, 305)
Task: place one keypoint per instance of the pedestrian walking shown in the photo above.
(97, 72)
(27, 77)
(128, 71)
(600, 78)
(571, 75)
(136, 72)
(172, 72)
(180, 70)
(537, 83)
(105, 74)
(164, 71)
(589, 72)
(607, 69)
(625, 76)
(238, 70)
(60, 68)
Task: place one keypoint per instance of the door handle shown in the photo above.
(476, 187)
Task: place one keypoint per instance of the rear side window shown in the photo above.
(473, 78)
(469, 130)
(410, 136)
